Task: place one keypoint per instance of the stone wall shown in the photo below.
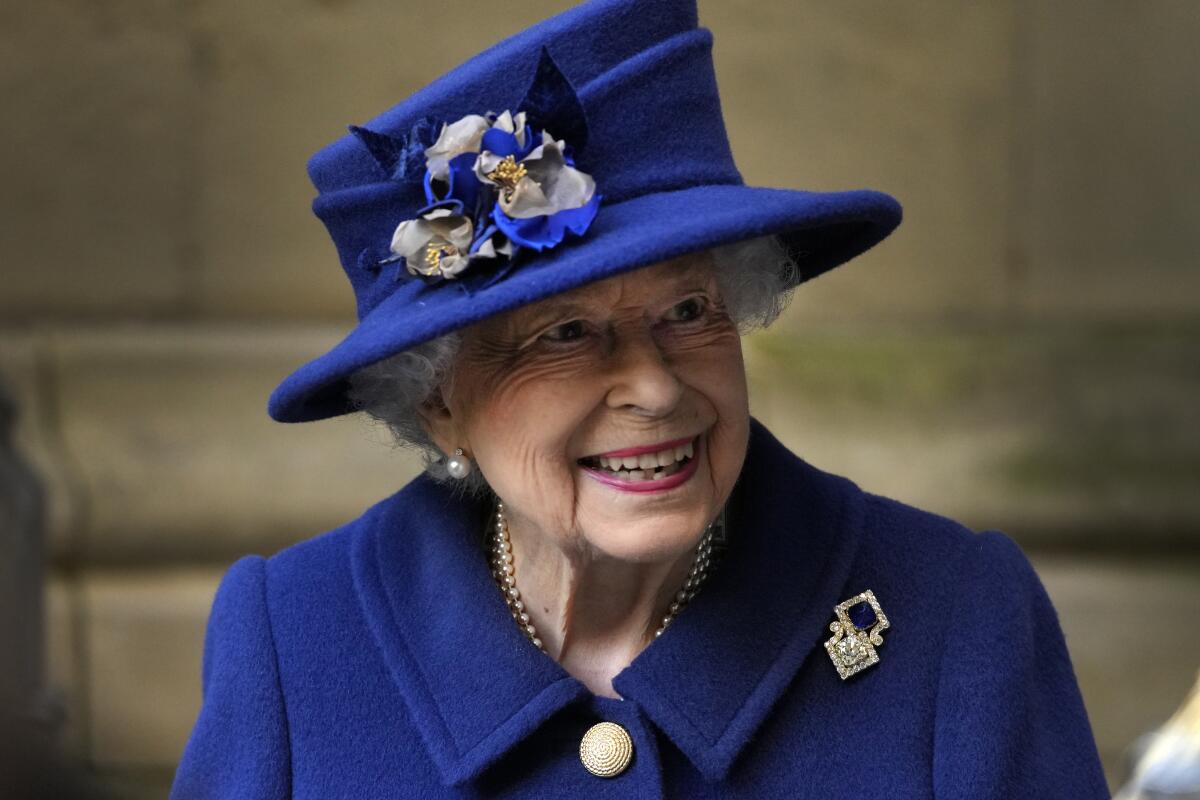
(1020, 354)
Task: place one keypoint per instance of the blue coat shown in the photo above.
(379, 660)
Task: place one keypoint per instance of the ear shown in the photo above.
(440, 424)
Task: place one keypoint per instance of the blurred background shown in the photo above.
(1021, 354)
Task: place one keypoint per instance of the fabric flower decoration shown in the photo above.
(493, 186)
(493, 183)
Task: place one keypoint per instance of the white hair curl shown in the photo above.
(756, 278)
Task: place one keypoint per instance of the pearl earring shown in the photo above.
(458, 465)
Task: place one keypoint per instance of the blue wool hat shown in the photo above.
(586, 146)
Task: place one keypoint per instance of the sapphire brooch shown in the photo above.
(856, 633)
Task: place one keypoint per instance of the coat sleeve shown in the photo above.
(1010, 720)
(239, 746)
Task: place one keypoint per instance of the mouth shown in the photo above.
(649, 468)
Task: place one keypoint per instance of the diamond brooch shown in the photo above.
(856, 633)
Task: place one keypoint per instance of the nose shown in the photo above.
(641, 379)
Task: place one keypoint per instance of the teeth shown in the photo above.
(647, 466)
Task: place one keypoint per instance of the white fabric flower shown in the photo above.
(435, 243)
(546, 186)
(455, 139)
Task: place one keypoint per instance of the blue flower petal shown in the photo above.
(503, 143)
(461, 184)
(453, 205)
(464, 185)
(548, 230)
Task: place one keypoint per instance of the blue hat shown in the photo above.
(586, 146)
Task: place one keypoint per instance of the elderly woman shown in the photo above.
(611, 581)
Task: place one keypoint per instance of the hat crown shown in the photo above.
(585, 41)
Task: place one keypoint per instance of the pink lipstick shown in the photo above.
(650, 468)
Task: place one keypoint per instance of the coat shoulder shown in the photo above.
(306, 575)
(322, 560)
(930, 547)
(881, 542)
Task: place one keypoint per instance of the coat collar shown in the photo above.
(476, 687)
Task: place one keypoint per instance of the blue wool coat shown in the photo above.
(379, 660)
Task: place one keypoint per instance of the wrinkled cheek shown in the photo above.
(734, 384)
(532, 480)
(551, 490)
(729, 438)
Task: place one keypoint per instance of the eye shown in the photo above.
(566, 332)
(686, 311)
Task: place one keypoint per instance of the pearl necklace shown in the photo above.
(504, 572)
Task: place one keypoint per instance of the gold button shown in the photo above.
(606, 750)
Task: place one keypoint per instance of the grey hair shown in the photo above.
(756, 278)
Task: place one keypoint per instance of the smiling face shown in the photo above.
(612, 419)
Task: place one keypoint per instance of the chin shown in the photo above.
(648, 537)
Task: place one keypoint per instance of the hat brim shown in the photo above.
(820, 230)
